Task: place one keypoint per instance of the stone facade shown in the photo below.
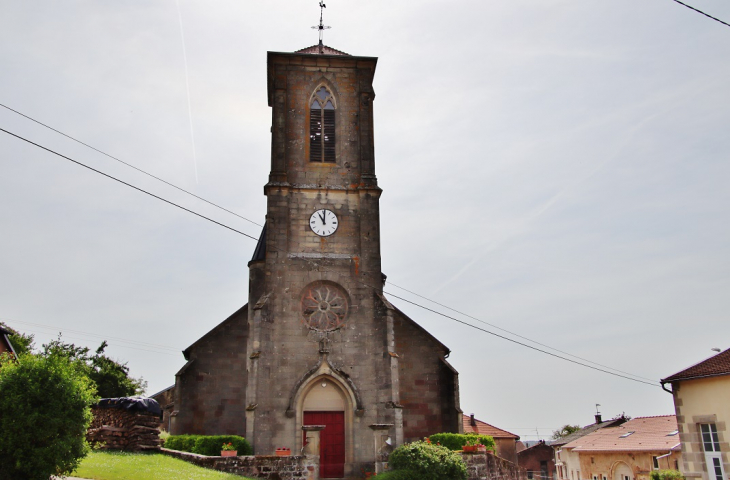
(317, 334)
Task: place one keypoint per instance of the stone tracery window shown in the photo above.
(322, 127)
(324, 306)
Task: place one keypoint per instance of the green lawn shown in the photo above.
(144, 466)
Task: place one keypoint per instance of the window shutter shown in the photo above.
(315, 135)
(329, 136)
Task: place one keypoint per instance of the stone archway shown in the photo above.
(621, 471)
(324, 403)
(319, 403)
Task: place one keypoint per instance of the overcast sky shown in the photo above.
(558, 169)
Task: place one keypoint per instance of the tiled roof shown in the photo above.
(588, 429)
(641, 434)
(716, 365)
(314, 50)
(483, 428)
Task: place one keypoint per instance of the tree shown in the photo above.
(22, 343)
(565, 431)
(110, 377)
(44, 413)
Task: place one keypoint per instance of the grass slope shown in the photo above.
(144, 466)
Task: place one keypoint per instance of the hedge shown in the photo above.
(209, 445)
(456, 441)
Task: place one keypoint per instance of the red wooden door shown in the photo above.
(331, 442)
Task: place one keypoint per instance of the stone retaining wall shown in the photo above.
(486, 466)
(269, 467)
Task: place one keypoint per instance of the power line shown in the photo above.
(131, 166)
(520, 343)
(517, 335)
(703, 13)
(104, 337)
(397, 286)
(370, 286)
(128, 184)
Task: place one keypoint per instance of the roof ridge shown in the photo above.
(716, 365)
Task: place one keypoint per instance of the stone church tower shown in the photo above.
(318, 343)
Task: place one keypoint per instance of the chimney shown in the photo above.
(473, 421)
(598, 418)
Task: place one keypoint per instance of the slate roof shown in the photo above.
(483, 428)
(587, 430)
(716, 365)
(641, 434)
(314, 50)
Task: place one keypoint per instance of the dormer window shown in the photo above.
(322, 127)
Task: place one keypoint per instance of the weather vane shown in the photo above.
(321, 27)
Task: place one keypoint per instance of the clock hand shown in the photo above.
(323, 220)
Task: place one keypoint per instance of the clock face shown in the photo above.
(323, 222)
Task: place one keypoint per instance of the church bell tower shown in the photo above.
(318, 347)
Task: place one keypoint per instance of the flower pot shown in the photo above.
(283, 451)
(229, 453)
(469, 449)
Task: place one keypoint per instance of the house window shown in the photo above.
(709, 437)
(322, 127)
(713, 457)
(655, 461)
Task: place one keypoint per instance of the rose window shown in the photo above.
(324, 307)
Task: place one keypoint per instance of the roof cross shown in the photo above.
(321, 27)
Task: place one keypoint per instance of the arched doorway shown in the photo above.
(325, 403)
(621, 471)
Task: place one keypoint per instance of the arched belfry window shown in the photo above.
(322, 127)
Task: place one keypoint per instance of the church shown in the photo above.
(318, 343)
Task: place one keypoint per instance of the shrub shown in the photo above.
(182, 443)
(210, 445)
(456, 441)
(666, 475)
(44, 414)
(396, 475)
(428, 461)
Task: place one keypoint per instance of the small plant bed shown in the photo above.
(144, 466)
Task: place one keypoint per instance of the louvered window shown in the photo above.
(322, 127)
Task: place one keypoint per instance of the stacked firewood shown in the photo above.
(120, 429)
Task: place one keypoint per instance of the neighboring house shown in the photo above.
(505, 442)
(567, 463)
(538, 461)
(5, 345)
(702, 403)
(627, 452)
